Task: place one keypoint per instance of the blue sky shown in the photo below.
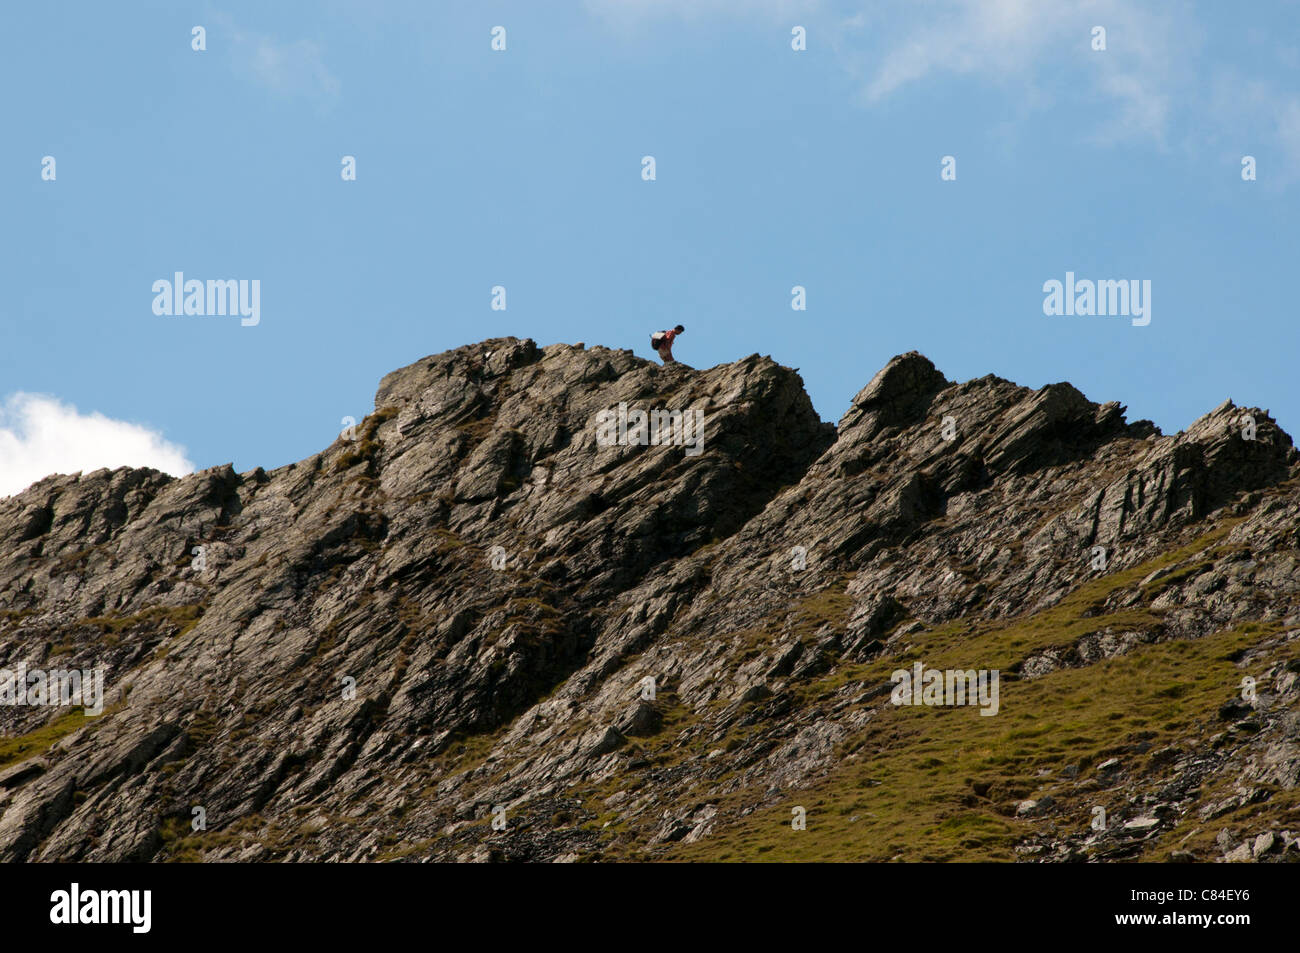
(522, 168)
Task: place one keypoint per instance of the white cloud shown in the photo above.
(1157, 82)
(995, 38)
(634, 10)
(1028, 42)
(40, 435)
(1251, 116)
(887, 48)
(290, 70)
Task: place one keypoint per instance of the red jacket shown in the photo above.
(667, 339)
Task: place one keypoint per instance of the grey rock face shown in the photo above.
(475, 609)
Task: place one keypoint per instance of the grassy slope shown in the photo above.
(924, 783)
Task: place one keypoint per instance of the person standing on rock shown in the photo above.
(662, 341)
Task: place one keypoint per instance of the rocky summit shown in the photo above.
(973, 621)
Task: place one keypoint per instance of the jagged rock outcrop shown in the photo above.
(477, 608)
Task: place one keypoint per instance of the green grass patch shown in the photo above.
(930, 783)
(942, 783)
(40, 740)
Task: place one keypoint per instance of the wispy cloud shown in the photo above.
(40, 435)
(290, 70)
(888, 48)
(1028, 43)
(1157, 82)
(1257, 117)
(624, 11)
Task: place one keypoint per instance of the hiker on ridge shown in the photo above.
(662, 341)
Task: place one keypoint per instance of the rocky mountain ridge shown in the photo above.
(470, 631)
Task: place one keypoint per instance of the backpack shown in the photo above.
(656, 340)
